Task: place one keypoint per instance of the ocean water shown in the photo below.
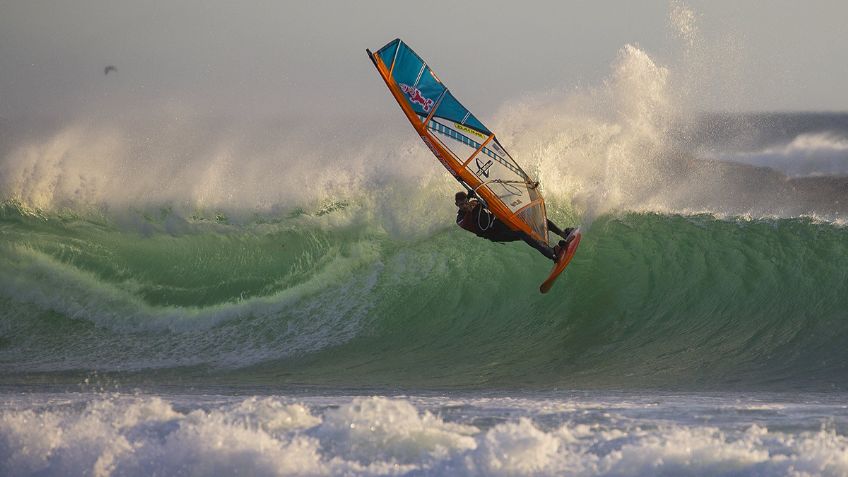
(325, 339)
(205, 296)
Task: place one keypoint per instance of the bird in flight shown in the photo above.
(108, 69)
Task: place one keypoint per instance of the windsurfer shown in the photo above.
(473, 217)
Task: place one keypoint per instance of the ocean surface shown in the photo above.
(202, 303)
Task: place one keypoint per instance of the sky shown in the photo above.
(307, 59)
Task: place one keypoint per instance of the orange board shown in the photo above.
(562, 260)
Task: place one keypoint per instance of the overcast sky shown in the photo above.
(301, 58)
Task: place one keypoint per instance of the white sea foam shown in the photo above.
(517, 449)
(379, 429)
(138, 435)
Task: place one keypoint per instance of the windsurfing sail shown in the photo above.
(467, 148)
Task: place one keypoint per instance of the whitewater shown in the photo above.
(183, 294)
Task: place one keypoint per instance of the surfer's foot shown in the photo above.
(559, 249)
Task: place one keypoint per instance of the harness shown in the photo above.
(489, 217)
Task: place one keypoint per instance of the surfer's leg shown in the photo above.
(499, 232)
(553, 228)
(544, 249)
(562, 233)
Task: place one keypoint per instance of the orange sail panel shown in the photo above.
(461, 142)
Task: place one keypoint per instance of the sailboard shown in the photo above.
(464, 145)
(564, 257)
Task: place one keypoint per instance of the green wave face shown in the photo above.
(649, 301)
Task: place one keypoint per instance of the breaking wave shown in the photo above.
(647, 302)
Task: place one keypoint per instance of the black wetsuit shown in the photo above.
(484, 224)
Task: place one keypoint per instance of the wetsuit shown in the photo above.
(484, 224)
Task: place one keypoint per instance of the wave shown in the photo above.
(650, 300)
(816, 154)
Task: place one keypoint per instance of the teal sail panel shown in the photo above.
(423, 89)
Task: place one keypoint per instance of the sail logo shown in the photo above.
(469, 130)
(415, 97)
(482, 169)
